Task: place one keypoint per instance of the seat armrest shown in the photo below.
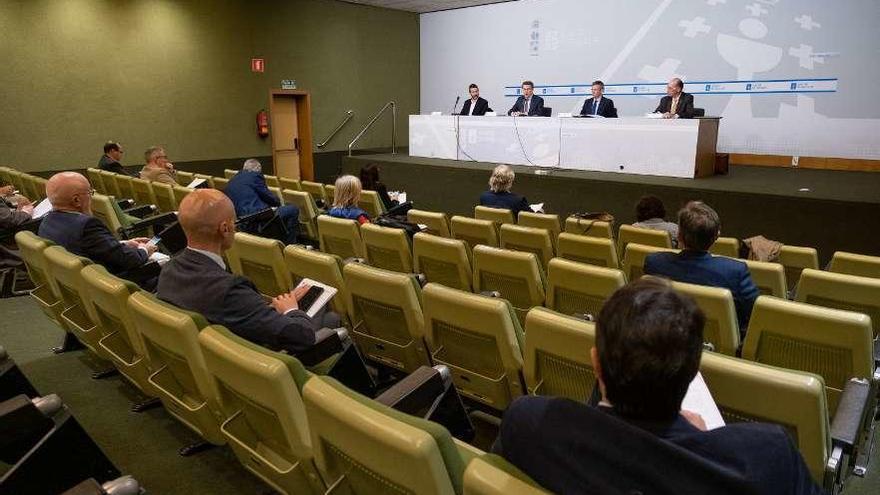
(140, 211)
(328, 342)
(125, 203)
(490, 293)
(417, 392)
(421, 279)
(162, 221)
(584, 316)
(848, 420)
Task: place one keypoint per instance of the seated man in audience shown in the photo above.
(70, 224)
(157, 167)
(699, 227)
(651, 214)
(649, 340)
(13, 216)
(499, 195)
(196, 279)
(249, 194)
(110, 159)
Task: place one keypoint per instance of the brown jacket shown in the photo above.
(157, 174)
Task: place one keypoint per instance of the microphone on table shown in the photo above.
(457, 98)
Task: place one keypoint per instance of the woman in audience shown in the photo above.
(370, 182)
(499, 195)
(345, 200)
(650, 214)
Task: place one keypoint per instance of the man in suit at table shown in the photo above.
(597, 105)
(528, 104)
(676, 104)
(475, 105)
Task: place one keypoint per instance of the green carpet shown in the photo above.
(145, 445)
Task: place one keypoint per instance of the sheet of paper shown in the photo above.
(401, 197)
(195, 183)
(42, 208)
(653, 115)
(698, 399)
(537, 207)
(160, 258)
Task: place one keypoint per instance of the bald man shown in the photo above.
(70, 224)
(196, 279)
(676, 104)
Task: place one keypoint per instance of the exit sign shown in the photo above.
(258, 65)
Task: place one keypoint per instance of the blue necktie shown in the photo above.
(595, 107)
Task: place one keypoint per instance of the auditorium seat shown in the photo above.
(580, 289)
(180, 192)
(834, 344)
(330, 194)
(39, 185)
(288, 183)
(593, 228)
(645, 237)
(164, 196)
(272, 181)
(769, 277)
(183, 178)
(107, 298)
(387, 318)
(180, 375)
(45, 292)
(261, 261)
(96, 180)
(634, 259)
(442, 260)
(370, 448)
(518, 277)
(721, 329)
(556, 358)
(530, 240)
(745, 391)
(340, 236)
(585, 249)
(387, 248)
(106, 210)
(316, 189)
(436, 223)
(142, 192)
(321, 267)
(229, 173)
(474, 231)
(498, 215)
(371, 203)
(308, 211)
(841, 291)
(220, 183)
(855, 264)
(541, 221)
(277, 192)
(65, 268)
(264, 416)
(492, 475)
(109, 181)
(795, 259)
(480, 339)
(725, 246)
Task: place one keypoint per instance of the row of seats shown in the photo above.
(30, 186)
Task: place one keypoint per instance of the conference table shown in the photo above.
(633, 145)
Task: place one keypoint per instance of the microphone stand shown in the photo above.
(457, 98)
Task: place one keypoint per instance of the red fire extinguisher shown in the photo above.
(262, 123)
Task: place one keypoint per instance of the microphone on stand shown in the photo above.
(457, 98)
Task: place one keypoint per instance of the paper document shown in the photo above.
(537, 207)
(653, 115)
(401, 197)
(322, 300)
(42, 208)
(160, 258)
(698, 399)
(196, 183)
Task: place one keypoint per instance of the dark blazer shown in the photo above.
(85, 235)
(195, 282)
(570, 447)
(606, 108)
(249, 193)
(536, 107)
(504, 199)
(480, 108)
(11, 217)
(685, 109)
(701, 268)
(109, 164)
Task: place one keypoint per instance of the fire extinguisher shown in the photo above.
(262, 123)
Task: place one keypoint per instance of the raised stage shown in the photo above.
(839, 211)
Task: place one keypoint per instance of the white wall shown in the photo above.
(739, 58)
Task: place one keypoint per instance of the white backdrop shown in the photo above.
(790, 77)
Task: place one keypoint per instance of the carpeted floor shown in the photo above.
(145, 445)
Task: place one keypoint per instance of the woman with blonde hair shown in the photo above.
(345, 200)
(499, 195)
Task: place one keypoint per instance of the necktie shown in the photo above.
(674, 105)
(526, 106)
(595, 107)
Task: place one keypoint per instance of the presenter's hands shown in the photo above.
(667, 115)
(285, 302)
(694, 419)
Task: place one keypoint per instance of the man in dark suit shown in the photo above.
(597, 105)
(676, 104)
(475, 105)
(70, 224)
(698, 227)
(249, 193)
(196, 279)
(649, 340)
(13, 216)
(110, 160)
(528, 104)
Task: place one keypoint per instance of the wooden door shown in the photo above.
(285, 136)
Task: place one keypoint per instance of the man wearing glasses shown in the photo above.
(71, 225)
(111, 160)
(157, 167)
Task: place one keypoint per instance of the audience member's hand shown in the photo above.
(300, 291)
(285, 302)
(140, 240)
(151, 248)
(26, 208)
(7, 190)
(169, 166)
(694, 419)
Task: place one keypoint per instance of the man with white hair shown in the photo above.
(70, 224)
(249, 194)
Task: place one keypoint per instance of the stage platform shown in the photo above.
(838, 210)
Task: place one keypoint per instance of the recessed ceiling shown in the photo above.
(423, 6)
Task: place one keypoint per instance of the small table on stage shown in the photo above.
(632, 145)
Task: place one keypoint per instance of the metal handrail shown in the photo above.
(373, 120)
(348, 116)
